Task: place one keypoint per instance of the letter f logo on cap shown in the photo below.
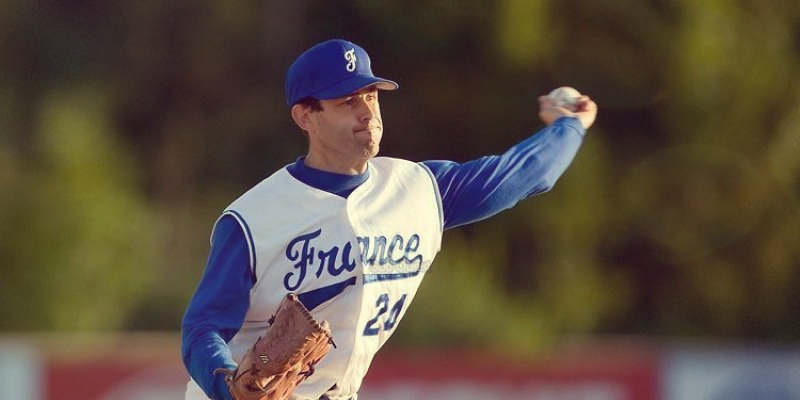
(350, 56)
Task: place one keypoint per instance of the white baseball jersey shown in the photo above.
(361, 258)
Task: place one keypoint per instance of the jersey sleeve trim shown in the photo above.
(248, 237)
(438, 194)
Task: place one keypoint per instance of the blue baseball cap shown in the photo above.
(329, 70)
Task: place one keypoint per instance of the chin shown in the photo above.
(371, 151)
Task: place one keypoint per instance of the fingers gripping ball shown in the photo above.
(565, 96)
(284, 357)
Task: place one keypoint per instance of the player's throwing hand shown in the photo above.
(585, 110)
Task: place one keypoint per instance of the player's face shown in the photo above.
(346, 133)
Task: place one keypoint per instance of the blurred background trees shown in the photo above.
(126, 127)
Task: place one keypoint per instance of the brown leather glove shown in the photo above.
(284, 357)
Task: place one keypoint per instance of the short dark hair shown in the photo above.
(309, 102)
(312, 103)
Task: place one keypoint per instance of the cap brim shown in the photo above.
(353, 85)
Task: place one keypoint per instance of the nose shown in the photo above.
(366, 110)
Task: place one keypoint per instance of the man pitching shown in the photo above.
(350, 233)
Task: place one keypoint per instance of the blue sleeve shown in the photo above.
(480, 188)
(217, 309)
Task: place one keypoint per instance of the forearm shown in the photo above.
(536, 164)
(204, 350)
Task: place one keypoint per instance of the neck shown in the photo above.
(335, 166)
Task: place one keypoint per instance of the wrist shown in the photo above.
(221, 389)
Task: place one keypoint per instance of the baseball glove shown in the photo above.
(283, 358)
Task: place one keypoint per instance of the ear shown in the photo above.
(302, 116)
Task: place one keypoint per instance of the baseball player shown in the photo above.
(350, 233)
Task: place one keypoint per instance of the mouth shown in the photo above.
(366, 130)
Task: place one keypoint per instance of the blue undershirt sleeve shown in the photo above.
(480, 188)
(217, 309)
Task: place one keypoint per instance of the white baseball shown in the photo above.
(565, 96)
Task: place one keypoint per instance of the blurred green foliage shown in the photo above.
(125, 127)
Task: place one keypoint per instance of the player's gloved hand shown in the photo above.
(585, 111)
(283, 358)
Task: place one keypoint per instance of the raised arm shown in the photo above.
(480, 188)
